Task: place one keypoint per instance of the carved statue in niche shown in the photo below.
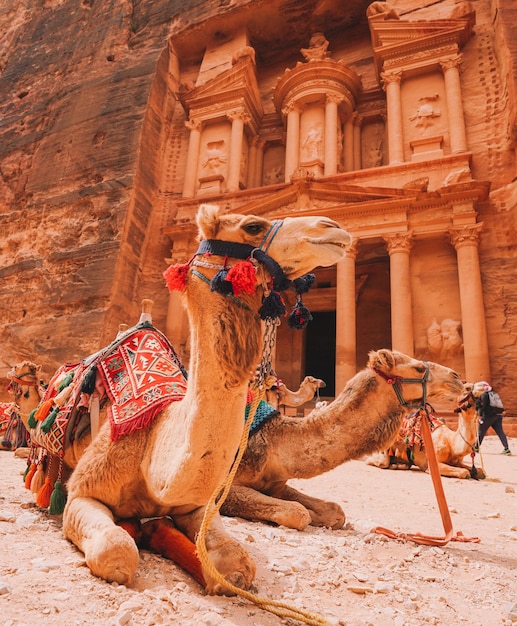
(317, 50)
(215, 157)
(426, 112)
(274, 175)
(382, 8)
(375, 155)
(312, 144)
(444, 339)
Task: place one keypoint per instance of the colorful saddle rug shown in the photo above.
(139, 372)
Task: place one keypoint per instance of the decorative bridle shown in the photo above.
(233, 280)
(398, 381)
(17, 382)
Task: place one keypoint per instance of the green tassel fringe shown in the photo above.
(26, 471)
(66, 381)
(48, 422)
(32, 421)
(57, 500)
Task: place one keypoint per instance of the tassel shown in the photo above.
(300, 316)
(49, 420)
(32, 421)
(243, 277)
(272, 306)
(66, 381)
(88, 382)
(44, 409)
(133, 527)
(27, 470)
(219, 284)
(43, 497)
(57, 500)
(63, 396)
(176, 276)
(32, 467)
(304, 283)
(38, 480)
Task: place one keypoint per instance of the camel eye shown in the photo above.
(253, 228)
(420, 369)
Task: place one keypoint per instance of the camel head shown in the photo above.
(22, 376)
(315, 383)
(297, 244)
(415, 380)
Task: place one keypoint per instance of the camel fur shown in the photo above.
(365, 417)
(450, 446)
(279, 395)
(173, 467)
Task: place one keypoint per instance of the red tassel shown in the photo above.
(176, 277)
(43, 497)
(243, 277)
(133, 527)
(162, 537)
(30, 474)
(44, 409)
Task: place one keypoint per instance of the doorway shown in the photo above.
(320, 349)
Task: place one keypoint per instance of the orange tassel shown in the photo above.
(30, 474)
(162, 537)
(38, 480)
(133, 527)
(44, 409)
(43, 497)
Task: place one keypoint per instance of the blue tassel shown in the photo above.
(88, 384)
(272, 306)
(299, 317)
(304, 283)
(220, 284)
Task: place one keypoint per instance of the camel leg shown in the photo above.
(322, 513)
(227, 555)
(253, 505)
(109, 550)
(460, 471)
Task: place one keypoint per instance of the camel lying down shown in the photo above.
(365, 417)
(450, 446)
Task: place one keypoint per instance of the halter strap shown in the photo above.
(398, 381)
(270, 235)
(20, 381)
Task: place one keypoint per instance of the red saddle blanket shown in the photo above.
(140, 373)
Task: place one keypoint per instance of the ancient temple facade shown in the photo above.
(383, 148)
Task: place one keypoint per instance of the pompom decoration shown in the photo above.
(219, 283)
(243, 277)
(176, 276)
(304, 283)
(299, 317)
(272, 306)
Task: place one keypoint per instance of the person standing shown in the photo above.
(490, 410)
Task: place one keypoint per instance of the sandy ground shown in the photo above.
(350, 576)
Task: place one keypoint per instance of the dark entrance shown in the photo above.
(320, 350)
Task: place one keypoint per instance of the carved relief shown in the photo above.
(382, 9)
(444, 339)
(426, 113)
(317, 50)
(214, 158)
(312, 145)
(274, 175)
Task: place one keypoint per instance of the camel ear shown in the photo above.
(207, 220)
(381, 359)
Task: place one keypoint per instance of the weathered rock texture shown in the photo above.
(93, 154)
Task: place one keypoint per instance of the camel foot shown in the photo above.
(234, 564)
(329, 515)
(112, 555)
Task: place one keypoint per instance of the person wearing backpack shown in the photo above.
(490, 410)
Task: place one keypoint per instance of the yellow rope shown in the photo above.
(214, 504)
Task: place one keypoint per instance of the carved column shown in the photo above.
(358, 121)
(259, 165)
(331, 159)
(292, 143)
(346, 319)
(451, 73)
(252, 165)
(189, 182)
(349, 143)
(392, 81)
(465, 240)
(238, 119)
(399, 247)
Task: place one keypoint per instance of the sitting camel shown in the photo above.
(24, 387)
(365, 417)
(174, 465)
(279, 395)
(451, 446)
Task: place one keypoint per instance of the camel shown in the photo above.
(174, 465)
(279, 395)
(24, 386)
(365, 417)
(451, 446)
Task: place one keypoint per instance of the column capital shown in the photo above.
(399, 242)
(353, 249)
(451, 62)
(290, 108)
(238, 114)
(465, 235)
(334, 98)
(391, 76)
(193, 124)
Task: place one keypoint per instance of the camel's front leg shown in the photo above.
(253, 505)
(322, 513)
(109, 550)
(460, 471)
(227, 555)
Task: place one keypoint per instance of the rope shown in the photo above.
(212, 508)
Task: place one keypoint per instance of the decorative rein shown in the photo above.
(397, 382)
